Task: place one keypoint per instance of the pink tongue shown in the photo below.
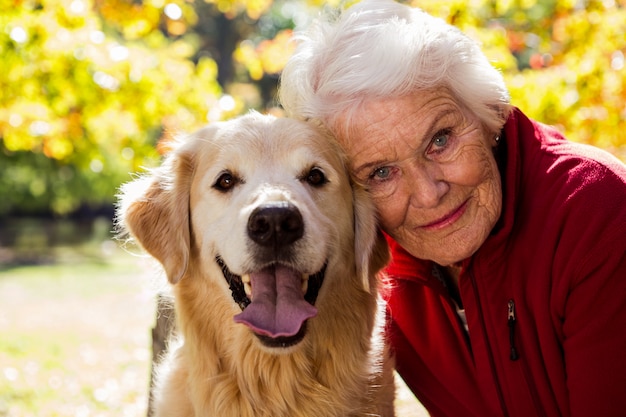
(278, 307)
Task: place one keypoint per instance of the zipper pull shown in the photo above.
(511, 320)
(511, 315)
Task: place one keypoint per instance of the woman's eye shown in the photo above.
(225, 182)
(383, 181)
(381, 173)
(440, 141)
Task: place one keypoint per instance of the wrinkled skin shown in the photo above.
(430, 167)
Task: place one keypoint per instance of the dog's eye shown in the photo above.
(316, 177)
(225, 182)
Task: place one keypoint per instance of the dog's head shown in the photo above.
(268, 204)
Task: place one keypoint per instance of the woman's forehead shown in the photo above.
(402, 117)
(381, 113)
(393, 129)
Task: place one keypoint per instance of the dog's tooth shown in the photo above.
(248, 289)
(245, 278)
(305, 285)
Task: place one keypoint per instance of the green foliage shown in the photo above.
(92, 91)
(562, 60)
(83, 104)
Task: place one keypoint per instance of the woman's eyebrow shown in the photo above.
(433, 122)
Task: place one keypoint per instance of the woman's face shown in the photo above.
(429, 166)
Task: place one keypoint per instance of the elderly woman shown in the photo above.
(507, 292)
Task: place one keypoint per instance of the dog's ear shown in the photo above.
(154, 210)
(371, 250)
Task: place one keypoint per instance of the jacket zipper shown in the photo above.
(511, 320)
(492, 365)
(514, 355)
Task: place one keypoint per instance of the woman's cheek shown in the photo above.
(391, 198)
(474, 166)
(391, 212)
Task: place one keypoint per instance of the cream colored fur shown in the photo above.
(219, 368)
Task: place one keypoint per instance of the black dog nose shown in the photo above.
(275, 224)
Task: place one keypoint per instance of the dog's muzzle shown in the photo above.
(277, 300)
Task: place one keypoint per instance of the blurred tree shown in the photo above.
(87, 91)
(92, 91)
(83, 104)
(563, 60)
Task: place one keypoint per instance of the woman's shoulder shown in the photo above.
(570, 199)
(579, 187)
(548, 162)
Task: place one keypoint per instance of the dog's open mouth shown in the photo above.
(276, 301)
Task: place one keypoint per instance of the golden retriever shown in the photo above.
(273, 254)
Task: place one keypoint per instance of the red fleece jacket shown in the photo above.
(545, 295)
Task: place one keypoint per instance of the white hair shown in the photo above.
(379, 49)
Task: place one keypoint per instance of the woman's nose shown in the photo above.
(426, 186)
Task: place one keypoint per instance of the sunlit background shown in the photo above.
(93, 90)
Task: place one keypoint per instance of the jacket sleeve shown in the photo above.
(594, 331)
(593, 307)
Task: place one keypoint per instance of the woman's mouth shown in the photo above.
(446, 220)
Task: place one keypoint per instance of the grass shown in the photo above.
(75, 336)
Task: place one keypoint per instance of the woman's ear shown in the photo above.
(154, 210)
(371, 250)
